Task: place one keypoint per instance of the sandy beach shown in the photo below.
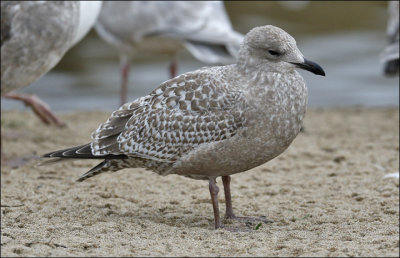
(325, 195)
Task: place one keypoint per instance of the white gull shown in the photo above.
(215, 121)
(165, 27)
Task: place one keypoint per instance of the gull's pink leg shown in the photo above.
(214, 199)
(173, 67)
(41, 109)
(226, 180)
(228, 202)
(125, 66)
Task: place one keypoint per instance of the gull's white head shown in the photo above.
(273, 49)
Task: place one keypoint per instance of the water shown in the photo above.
(347, 44)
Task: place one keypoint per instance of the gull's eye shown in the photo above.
(274, 53)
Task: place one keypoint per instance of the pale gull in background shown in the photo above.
(165, 27)
(215, 121)
(35, 35)
(390, 56)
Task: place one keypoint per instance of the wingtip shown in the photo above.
(47, 155)
(81, 179)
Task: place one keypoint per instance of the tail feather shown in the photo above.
(110, 163)
(223, 51)
(100, 168)
(209, 53)
(51, 161)
(70, 152)
(80, 152)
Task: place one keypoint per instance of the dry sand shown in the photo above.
(326, 196)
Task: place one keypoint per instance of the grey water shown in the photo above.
(346, 44)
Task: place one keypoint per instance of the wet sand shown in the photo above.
(325, 195)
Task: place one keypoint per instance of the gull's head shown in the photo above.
(271, 48)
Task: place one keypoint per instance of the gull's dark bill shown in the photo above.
(311, 67)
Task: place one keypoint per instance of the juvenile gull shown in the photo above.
(165, 27)
(35, 35)
(215, 121)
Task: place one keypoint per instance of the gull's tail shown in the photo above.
(218, 51)
(110, 162)
(103, 166)
(80, 152)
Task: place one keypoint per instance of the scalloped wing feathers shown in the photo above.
(175, 118)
